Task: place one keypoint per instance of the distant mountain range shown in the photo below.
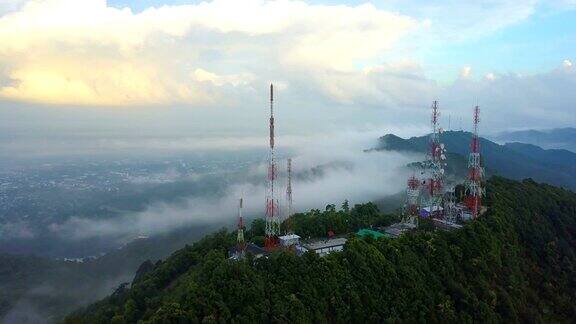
(557, 138)
(512, 160)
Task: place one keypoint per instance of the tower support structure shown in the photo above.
(240, 242)
(289, 209)
(435, 166)
(272, 218)
(412, 208)
(475, 170)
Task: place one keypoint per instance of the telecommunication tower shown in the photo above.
(272, 217)
(241, 243)
(450, 210)
(435, 165)
(412, 208)
(475, 170)
(289, 199)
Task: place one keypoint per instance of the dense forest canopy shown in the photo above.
(517, 263)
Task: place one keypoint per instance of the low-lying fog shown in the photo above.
(173, 191)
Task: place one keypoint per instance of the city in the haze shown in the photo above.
(274, 161)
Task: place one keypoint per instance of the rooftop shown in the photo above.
(366, 231)
(289, 237)
(396, 229)
(441, 223)
(250, 248)
(316, 245)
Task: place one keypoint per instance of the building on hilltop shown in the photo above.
(289, 240)
(397, 229)
(250, 248)
(325, 247)
(370, 232)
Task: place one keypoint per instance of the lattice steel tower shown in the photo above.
(475, 170)
(289, 199)
(240, 242)
(272, 217)
(412, 208)
(435, 165)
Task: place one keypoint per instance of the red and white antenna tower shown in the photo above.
(241, 243)
(289, 198)
(272, 219)
(435, 164)
(475, 170)
(412, 202)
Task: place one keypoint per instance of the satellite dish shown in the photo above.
(442, 145)
(443, 157)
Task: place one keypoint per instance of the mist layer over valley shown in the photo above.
(72, 208)
(107, 213)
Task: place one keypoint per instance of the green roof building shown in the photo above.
(366, 231)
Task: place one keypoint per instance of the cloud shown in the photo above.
(87, 53)
(490, 76)
(453, 20)
(10, 5)
(514, 101)
(336, 64)
(466, 72)
(16, 230)
(348, 173)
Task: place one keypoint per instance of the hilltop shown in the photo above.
(516, 263)
(511, 160)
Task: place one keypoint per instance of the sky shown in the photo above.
(74, 69)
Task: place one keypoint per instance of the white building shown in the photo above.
(326, 247)
(289, 240)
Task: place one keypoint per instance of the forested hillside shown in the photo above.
(515, 264)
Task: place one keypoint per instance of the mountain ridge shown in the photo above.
(513, 160)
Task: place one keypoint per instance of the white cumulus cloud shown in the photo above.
(85, 52)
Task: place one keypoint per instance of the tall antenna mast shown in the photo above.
(435, 164)
(241, 243)
(272, 220)
(289, 198)
(475, 170)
